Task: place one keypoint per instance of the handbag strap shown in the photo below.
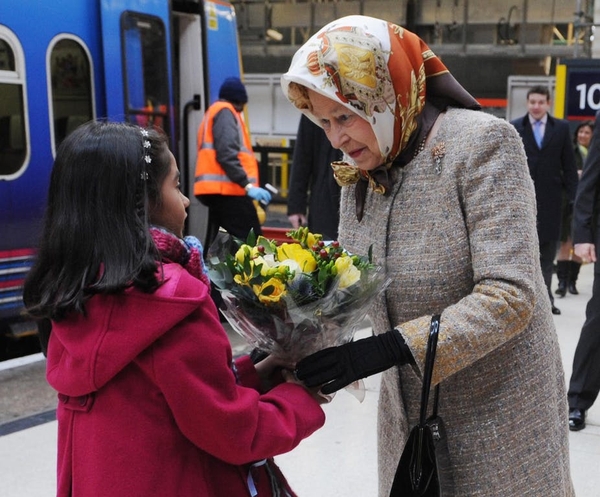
(428, 372)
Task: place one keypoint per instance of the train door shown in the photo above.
(206, 51)
(137, 63)
(191, 87)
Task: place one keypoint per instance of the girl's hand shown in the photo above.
(269, 371)
(315, 392)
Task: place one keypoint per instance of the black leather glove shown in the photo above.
(337, 367)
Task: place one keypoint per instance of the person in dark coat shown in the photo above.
(567, 263)
(312, 186)
(585, 378)
(552, 168)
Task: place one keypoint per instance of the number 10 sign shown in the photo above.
(581, 88)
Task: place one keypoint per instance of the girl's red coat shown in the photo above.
(149, 403)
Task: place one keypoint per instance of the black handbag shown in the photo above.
(424, 469)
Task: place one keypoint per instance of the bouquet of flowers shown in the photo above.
(293, 299)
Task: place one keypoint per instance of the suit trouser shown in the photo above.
(547, 255)
(235, 214)
(585, 379)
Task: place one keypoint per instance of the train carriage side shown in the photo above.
(65, 62)
(50, 67)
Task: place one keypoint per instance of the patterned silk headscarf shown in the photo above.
(383, 73)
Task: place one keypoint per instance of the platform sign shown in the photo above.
(578, 89)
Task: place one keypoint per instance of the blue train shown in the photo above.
(64, 62)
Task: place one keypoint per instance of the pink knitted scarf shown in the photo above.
(187, 252)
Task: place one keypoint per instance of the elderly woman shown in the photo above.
(443, 194)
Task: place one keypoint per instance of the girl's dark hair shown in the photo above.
(96, 237)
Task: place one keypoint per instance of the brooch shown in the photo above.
(438, 153)
(345, 174)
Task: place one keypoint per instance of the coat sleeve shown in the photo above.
(496, 197)
(587, 192)
(192, 365)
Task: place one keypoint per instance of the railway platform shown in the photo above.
(338, 460)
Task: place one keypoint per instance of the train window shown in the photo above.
(145, 70)
(71, 86)
(7, 57)
(13, 143)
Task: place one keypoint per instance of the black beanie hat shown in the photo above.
(233, 90)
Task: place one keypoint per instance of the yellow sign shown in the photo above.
(213, 19)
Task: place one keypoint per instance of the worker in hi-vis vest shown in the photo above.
(226, 169)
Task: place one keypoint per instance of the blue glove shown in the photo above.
(260, 194)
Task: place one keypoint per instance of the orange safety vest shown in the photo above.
(210, 176)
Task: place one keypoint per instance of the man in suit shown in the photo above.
(585, 379)
(551, 160)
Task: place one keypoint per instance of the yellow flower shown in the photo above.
(294, 251)
(270, 291)
(243, 253)
(312, 239)
(242, 279)
(347, 271)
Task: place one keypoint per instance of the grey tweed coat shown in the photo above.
(462, 241)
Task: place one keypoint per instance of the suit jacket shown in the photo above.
(553, 171)
(586, 222)
(311, 172)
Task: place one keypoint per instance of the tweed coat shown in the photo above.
(463, 242)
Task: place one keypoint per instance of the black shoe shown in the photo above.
(573, 288)
(576, 419)
(555, 310)
(561, 291)
(563, 276)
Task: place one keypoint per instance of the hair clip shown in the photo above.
(147, 145)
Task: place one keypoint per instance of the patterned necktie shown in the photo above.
(537, 133)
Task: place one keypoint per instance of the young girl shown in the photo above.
(150, 400)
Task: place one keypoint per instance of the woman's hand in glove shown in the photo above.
(337, 367)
